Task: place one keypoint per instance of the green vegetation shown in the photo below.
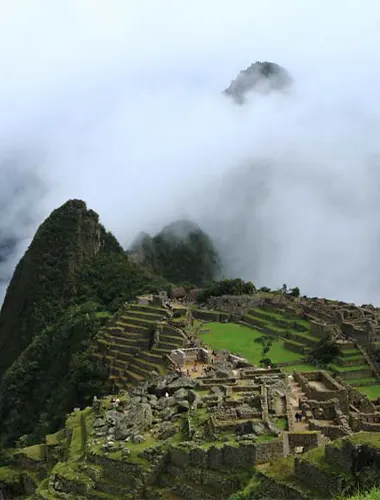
(46, 277)
(372, 391)
(373, 494)
(181, 252)
(69, 282)
(226, 287)
(241, 340)
(325, 351)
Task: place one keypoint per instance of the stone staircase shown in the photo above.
(135, 343)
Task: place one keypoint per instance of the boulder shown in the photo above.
(134, 420)
(137, 439)
(183, 382)
(180, 394)
(183, 406)
(258, 428)
(99, 422)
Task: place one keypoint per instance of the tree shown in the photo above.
(326, 351)
(294, 292)
(226, 287)
(266, 343)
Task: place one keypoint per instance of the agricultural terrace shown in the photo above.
(292, 340)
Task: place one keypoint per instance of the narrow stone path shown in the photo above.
(295, 395)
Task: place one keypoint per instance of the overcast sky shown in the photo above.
(119, 103)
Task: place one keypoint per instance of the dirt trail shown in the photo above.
(295, 395)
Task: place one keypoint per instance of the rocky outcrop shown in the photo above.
(258, 77)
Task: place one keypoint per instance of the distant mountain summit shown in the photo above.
(260, 77)
(181, 253)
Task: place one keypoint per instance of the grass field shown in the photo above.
(372, 391)
(241, 340)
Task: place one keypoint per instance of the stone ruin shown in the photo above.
(186, 356)
(334, 409)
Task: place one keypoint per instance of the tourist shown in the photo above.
(166, 394)
(297, 417)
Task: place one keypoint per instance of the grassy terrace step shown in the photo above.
(154, 309)
(147, 365)
(122, 356)
(133, 376)
(127, 335)
(130, 320)
(352, 357)
(123, 349)
(131, 343)
(151, 357)
(350, 353)
(351, 362)
(171, 338)
(301, 368)
(354, 368)
(364, 380)
(159, 351)
(282, 471)
(280, 330)
(373, 391)
(132, 333)
(278, 316)
(124, 326)
(120, 365)
(146, 315)
(142, 372)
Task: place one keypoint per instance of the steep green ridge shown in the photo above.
(181, 252)
(46, 277)
(72, 277)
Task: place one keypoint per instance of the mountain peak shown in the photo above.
(262, 77)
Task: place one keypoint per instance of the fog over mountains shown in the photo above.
(128, 113)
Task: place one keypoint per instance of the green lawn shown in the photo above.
(372, 391)
(351, 368)
(241, 340)
(301, 368)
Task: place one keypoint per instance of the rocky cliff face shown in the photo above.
(258, 77)
(46, 276)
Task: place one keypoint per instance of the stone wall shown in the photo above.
(331, 431)
(235, 305)
(294, 347)
(339, 456)
(359, 401)
(227, 457)
(333, 389)
(324, 410)
(278, 490)
(126, 473)
(308, 440)
(357, 374)
(318, 479)
(205, 315)
(319, 329)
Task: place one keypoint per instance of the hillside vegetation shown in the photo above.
(71, 279)
(181, 252)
